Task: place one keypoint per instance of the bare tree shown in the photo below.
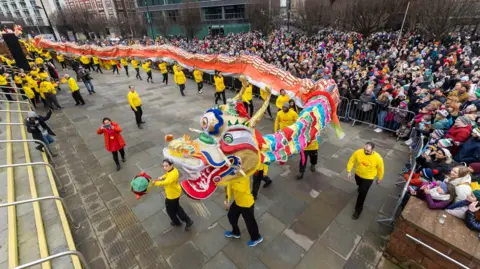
(190, 17)
(161, 23)
(366, 16)
(437, 18)
(312, 14)
(263, 14)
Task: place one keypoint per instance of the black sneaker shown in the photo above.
(189, 225)
(139, 126)
(313, 168)
(175, 225)
(124, 160)
(118, 167)
(300, 176)
(355, 215)
(267, 183)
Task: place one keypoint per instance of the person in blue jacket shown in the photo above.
(469, 151)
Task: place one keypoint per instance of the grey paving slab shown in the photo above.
(293, 216)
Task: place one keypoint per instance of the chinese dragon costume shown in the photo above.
(228, 147)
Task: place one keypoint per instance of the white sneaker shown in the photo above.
(408, 142)
(377, 130)
(200, 92)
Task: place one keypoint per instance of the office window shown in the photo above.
(212, 13)
(235, 12)
(37, 12)
(173, 15)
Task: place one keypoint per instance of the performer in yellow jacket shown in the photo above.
(77, 96)
(247, 97)
(368, 165)
(147, 67)
(198, 75)
(124, 62)
(61, 60)
(85, 60)
(49, 93)
(281, 99)
(136, 105)
(96, 63)
(311, 151)
(173, 191)
(219, 87)
(180, 79)
(163, 69)
(137, 69)
(243, 204)
(285, 117)
(30, 94)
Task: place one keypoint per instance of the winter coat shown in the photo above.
(458, 209)
(441, 124)
(113, 139)
(462, 187)
(469, 151)
(472, 222)
(459, 134)
(39, 122)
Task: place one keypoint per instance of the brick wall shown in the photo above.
(406, 251)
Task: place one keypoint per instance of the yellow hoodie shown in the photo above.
(280, 100)
(219, 83)
(247, 95)
(170, 183)
(241, 193)
(179, 77)
(366, 166)
(134, 100)
(198, 75)
(163, 67)
(285, 119)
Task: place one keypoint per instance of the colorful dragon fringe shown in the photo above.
(257, 71)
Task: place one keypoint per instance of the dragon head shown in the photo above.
(225, 150)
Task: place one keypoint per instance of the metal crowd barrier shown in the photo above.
(386, 118)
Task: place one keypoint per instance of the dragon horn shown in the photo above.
(242, 90)
(259, 114)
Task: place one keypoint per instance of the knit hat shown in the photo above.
(403, 104)
(464, 120)
(476, 193)
(439, 133)
(140, 184)
(31, 114)
(286, 105)
(446, 152)
(445, 143)
(476, 131)
(429, 173)
(443, 113)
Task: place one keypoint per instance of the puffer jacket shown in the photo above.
(462, 187)
(469, 151)
(472, 222)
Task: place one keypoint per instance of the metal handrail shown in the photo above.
(7, 87)
(10, 123)
(436, 251)
(43, 199)
(21, 102)
(34, 141)
(58, 255)
(17, 111)
(16, 94)
(35, 163)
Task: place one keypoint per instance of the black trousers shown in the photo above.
(138, 114)
(165, 78)
(51, 100)
(64, 65)
(200, 85)
(138, 73)
(269, 111)
(115, 68)
(149, 76)
(77, 96)
(363, 187)
(248, 215)
(126, 70)
(98, 69)
(115, 155)
(182, 88)
(32, 100)
(175, 211)
(313, 154)
(249, 106)
(219, 95)
(257, 180)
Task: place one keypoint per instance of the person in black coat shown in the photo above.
(76, 67)
(37, 126)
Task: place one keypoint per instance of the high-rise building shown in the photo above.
(31, 12)
(225, 16)
(106, 8)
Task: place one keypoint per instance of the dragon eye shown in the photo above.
(228, 138)
(204, 123)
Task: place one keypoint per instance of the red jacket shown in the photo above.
(459, 134)
(113, 139)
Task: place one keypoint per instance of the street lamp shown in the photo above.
(149, 19)
(48, 19)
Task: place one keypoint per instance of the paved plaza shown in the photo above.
(305, 224)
